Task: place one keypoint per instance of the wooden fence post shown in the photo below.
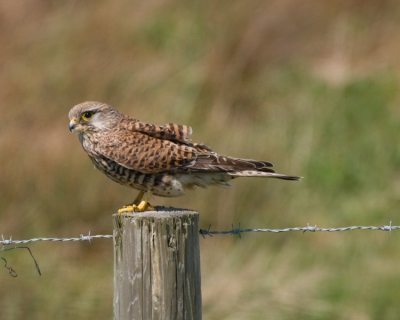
(157, 265)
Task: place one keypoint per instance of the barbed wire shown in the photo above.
(203, 232)
(314, 228)
(89, 238)
(209, 232)
(6, 242)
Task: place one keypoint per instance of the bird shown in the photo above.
(157, 160)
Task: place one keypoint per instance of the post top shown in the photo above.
(160, 211)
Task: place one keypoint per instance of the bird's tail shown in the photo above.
(210, 162)
(261, 174)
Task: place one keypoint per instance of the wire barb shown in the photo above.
(205, 232)
(388, 228)
(308, 228)
(236, 231)
(86, 238)
(5, 242)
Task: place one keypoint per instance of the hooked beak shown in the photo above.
(72, 124)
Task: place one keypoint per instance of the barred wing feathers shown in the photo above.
(169, 131)
(153, 149)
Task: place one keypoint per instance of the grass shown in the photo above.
(312, 88)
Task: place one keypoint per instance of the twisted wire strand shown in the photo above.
(89, 237)
(203, 232)
(210, 232)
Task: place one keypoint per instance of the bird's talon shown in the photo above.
(143, 206)
(126, 209)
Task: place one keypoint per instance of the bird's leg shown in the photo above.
(138, 199)
(144, 205)
(130, 207)
(139, 204)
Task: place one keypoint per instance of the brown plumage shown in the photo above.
(159, 160)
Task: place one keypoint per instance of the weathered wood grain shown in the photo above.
(157, 265)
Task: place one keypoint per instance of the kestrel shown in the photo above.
(154, 159)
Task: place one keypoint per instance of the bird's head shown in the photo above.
(90, 117)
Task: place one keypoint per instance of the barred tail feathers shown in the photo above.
(261, 174)
(209, 162)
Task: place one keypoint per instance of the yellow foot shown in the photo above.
(139, 204)
(143, 206)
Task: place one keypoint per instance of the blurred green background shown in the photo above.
(312, 86)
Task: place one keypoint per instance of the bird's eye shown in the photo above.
(87, 115)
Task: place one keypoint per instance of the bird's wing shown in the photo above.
(212, 162)
(169, 131)
(141, 152)
(148, 154)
